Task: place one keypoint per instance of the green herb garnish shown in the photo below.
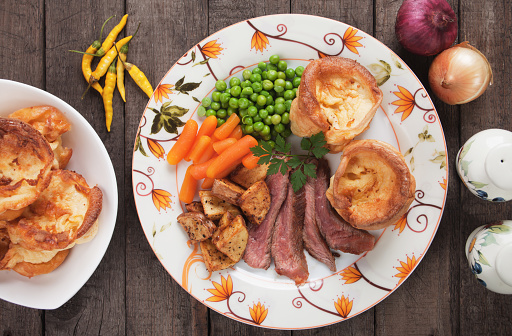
(314, 146)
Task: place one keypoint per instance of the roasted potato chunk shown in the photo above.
(231, 238)
(214, 259)
(247, 177)
(194, 207)
(214, 207)
(255, 202)
(226, 218)
(197, 226)
(227, 190)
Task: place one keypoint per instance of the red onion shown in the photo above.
(426, 27)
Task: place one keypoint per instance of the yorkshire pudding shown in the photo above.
(63, 213)
(372, 187)
(337, 96)
(51, 123)
(25, 162)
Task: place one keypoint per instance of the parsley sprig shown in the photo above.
(283, 159)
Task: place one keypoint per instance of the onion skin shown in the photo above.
(426, 27)
(460, 74)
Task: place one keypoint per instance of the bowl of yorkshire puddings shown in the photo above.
(58, 198)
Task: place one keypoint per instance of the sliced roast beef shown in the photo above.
(287, 243)
(257, 253)
(314, 242)
(339, 234)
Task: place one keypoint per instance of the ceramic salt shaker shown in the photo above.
(484, 164)
(489, 253)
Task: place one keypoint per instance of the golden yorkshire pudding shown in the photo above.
(51, 123)
(29, 269)
(63, 213)
(25, 163)
(372, 187)
(337, 96)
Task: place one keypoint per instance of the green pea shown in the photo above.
(266, 137)
(281, 92)
(264, 75)
(288, 105)
(263, 113)
(224, 97)
(279, 108)
(256, 118)
(265, 93)
(282, 65)
(248, 129)
(252, 111)
(211, 112)
(248, 90)
(245, 83)
(286, 133)
(270, 100)
(279, 82)
(230, 110)
(289, 94)
(257, 87)
(268, 120)
(288, 85)
(290, 73)
(271, 143)
(270, 108)
(271, 66)
(274, 133)
(271, 75)
(276, 119)
(243, 103)
(220, 122)
(243, 113)
(254, 96)
(215, 106)
(279, 128)
(201, 111)
(222, 113)
(274, 59)
(221, 85)
(265, 130)
(258, 126)
(234, 81)
(246, 74)
(255, 77)
(278, 88)
(296, 82)
(261, 101)
(233, 102)
(267, 85)
(299, 70)
(236, 91)
(281, 75)
(285, 118)
(262, 65)
(206, 102)
(224, 105)
(216, 96)
(257, 71)
(247, 120)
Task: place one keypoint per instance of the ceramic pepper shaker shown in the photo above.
(489, 253)
(484, 164)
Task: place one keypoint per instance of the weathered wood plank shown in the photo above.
(487, 27)
(156, 304)
(22, 60)
(98, 308)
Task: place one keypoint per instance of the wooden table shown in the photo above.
(130, 292)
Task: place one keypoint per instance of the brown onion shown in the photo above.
(426, 27)
(460, 74)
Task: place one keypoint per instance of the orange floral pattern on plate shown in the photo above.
(161, 199)
(162, 91)
(406, 268)
(259, 41)
(211, 49)
(258, 313)
(221, 291)
(406, 102)
(343, 306)
(350, 40)
(350, 275)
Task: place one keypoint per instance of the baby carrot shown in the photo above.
(188, 188)
(207, 183)
(228, 170)
(232, 154)
(198, 171)
(237, 133)
(108, 93)
(207, 128)
(200, 146)
(223, 131)
(208, 153)
(250, 161)
(184, 143)
(221, 145)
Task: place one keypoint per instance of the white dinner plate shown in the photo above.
(406, 119)
(91, 160)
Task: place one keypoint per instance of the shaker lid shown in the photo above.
(498, 165)
(504, 264)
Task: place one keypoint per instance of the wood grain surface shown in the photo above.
(131, 293)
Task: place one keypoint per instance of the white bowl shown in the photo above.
(90, 159)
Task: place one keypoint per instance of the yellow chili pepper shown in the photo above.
(86, 65)
(139, 78)
(106, 60)
(108, 93)
(120, 71)
(109, 40)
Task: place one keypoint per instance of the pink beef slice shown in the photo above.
(338, 234)
(257, 252)
(287, 243)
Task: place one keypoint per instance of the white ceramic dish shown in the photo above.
(90, 158)
(407, 119)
